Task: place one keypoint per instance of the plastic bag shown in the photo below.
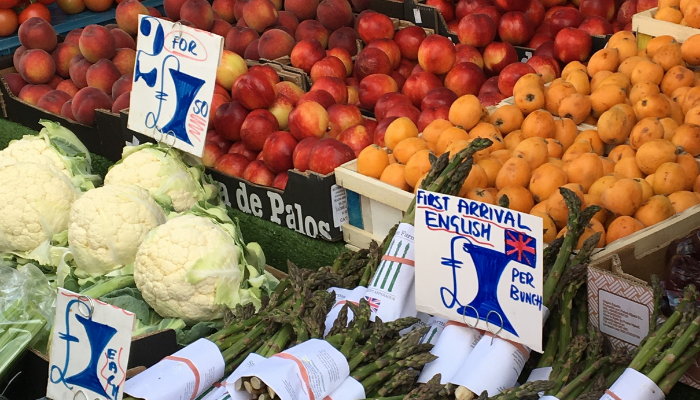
(27, 303)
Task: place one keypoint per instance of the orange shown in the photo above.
(556, 206)
(621, 151)
(594, 200)
(690, 167)
(394, 175)
(372, 161)
(482, 195)
(491, 166)
(434, 129)
(519, 198)
(622, 226)
(584, 170)
(400, 129)
(628, 168)
(477, 178)
(406, 148)
(669, 178)
(622, 198)
(599, 186)
(658, 208)
(545, 180)
(534, 150)
(515, 172)
(465, 112)
(416, 166)
(448, 136)
(683, 200)
(548, 226)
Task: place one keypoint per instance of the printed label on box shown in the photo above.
(340, 206)
(622, 318)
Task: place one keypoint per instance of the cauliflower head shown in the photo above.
(32, 149)
(108, 224)
(163, 173)
(35, 202)
(185, 265)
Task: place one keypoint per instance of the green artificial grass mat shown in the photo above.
(279, 243)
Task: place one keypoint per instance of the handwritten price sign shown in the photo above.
(89, 349)
(480, 264)
(173, 84)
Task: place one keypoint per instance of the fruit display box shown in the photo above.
(146, 351)
(430, 17)
(64, 23)
(620, 298)
(647, 28)
(26, 114)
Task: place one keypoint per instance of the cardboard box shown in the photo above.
(146, 351)
(647, 27)
(29, 115)
(620, 299)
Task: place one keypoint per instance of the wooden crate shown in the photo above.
(374, 207)
(647, 28)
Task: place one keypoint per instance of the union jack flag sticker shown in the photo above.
(373, 303)
(521, 248)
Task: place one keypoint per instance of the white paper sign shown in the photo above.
(391, 290)
(89, 348)
(182, 376)
(308, 371)
(478, 263)
(173, 83)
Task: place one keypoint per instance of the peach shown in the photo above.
(438, 97)
(341, 117)
(154, 13)
(54, 82)
(36, 33)
(15, 83)
(374, 86)
(78, 70)
(290, 90)
(390, 48)
(238, 9)
(53, 101)
(431, 114)
(329, 66)
(306, 53)
(334, 14)
(62, 55)
(238, 39)
(36, 66)
(281, 109)
(172, 8)
(302, 9)
(86, 101)
(287, 19)
(71, 6)
(267, 70)
(308, 119)
(198, 12)
(122, 39)
(122, 85)
(372, 61)
(373, 26)
(67, 110)
(345, 38)
(387, 101)
(465, 78)
(124, 60)
(418, 85)
(312, 29)
(32, 93)
(231, 67)
(409, 39)
(122, 102)
(73, 36)
(259, 14)
(68, 86)
(127, 15)
(220, 27)
(436, 54)
(225, 9)
(405, 110)
(102, 75)
(321, 97)
(98, 5)
(275, 43)
(251, 52)
(96, 42)
(17, 55)
(255, 90)
(467, 53)
(343, 56)
(356, 137)
(335, 86)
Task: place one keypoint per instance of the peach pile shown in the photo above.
(91, 69)
(266, 127)
(635, 159)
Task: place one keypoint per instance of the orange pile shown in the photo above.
(636, 159)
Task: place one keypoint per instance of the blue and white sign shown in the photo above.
(89, 349)
(481, 265)
(173, 83)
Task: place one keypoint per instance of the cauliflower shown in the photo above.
(55, 146)
(35, 201)
(108, 224)
(195, 266)
(162, 171)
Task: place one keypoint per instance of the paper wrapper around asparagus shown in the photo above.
(343, 296)
(350, 389)
(455, 344)
(393, 284)
(310, 370)
(633, 385)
